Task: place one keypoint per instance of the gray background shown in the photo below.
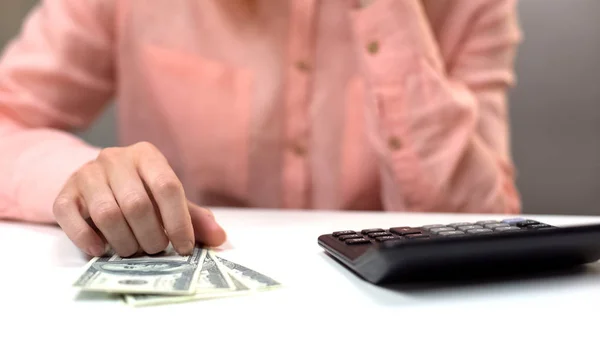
(554, 107)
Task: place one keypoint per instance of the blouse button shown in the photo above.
(394, 143)
(298, 149)
(373, 47)
(303, 66)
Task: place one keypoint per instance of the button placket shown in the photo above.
(372, 47)
(295, 165)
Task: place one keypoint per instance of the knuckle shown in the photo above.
(87, 168)
(106, 212)
(87, 172)
(136, 204)
(144, 146)
(108, 154)
(166, 184)
(61, 205)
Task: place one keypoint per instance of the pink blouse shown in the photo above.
(398, 106)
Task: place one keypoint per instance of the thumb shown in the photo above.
(206, 228)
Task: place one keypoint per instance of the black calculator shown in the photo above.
(439, 251)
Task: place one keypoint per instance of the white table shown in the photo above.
(39, 265)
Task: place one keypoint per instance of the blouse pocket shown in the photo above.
(207, 104)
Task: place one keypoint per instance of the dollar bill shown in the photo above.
(213, 277)
(250, 278)
(214, 281)
(166, 273)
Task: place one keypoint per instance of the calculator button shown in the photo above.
(494, 225)
(487, 222)
(538, 226)
(377, 234)
(441, 229)
(479, 231)
(460, 224)
(336, 234)
(468, 227)
(417, 236)
(433, 226)
(357, 241)
(507, 229)
(451, 233)
(405, 230)
(349, 236)
(388, 238)
(372, 230)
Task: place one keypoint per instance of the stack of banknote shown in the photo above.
(167, 277)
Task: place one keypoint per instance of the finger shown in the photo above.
(206, 228)
(67, 214)
(104, 210)
(135, 204)
(167, 191)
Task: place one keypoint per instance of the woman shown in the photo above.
(394, 105)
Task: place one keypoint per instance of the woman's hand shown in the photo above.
(135, 203)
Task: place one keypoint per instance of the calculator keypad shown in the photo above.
(451, 233)
(479, 231)
(349, 236)
(494, 225)
(387, 238)
(405, 230)
(357, 241)
(417, 236)
(340, 233)
(506, 229)
(372, 230)
(441, 229)
(378, 234)
(468, 227)
(459, 229)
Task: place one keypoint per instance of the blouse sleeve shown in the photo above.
(55, 77)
